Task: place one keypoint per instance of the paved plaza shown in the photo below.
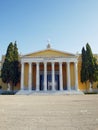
(49, 112)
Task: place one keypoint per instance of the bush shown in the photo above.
(8, 93)
(0, 87)
(90, 92)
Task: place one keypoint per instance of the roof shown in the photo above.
(49, 52)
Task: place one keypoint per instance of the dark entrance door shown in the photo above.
(57, 81)
(41, 82)
(49, 81)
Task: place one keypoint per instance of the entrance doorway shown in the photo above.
(57, 82)
(49, 81)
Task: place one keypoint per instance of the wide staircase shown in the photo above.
(27, 92)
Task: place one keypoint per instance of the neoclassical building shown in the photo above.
(51, 70)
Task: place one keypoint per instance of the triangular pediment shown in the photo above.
(49, 53)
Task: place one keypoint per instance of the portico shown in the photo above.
(49, 73)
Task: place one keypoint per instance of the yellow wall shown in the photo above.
(64, 75)
(49, 68)
(72, 75)
(50, 53)
(26, 68)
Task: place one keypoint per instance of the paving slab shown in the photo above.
(49, 112)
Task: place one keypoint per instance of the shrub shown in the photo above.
(0, 87)
(90, 92)
(8, 93)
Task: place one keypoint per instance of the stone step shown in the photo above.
(27, 92)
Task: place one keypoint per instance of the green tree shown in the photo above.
(6, 69)
(89, 69)
(84, 72)
(15, 77)
(10, 71)
(91, 65)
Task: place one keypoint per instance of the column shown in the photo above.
(45, 76)
(68, 76)
(60, 76)
(37, 76)
(30, 76)
(76, 75)
(53, 77)
(22, 76)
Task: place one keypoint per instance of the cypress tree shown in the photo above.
(15, 65)
(10, 71)
(84, 73)
(89, 69)
(92, 65)
(15, 53)
(6, 69)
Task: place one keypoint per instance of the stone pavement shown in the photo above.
(49, 112)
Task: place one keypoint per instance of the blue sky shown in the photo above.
(69, 24)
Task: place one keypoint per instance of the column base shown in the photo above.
(37, 90)
(69, 89)
(45, 90)
(90, 89)
(53, 90)
(30, 89)
(22, 89)
(61, 89)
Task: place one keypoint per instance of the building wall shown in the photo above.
(26, 68)
(34, 75)
(49, 68)
(64, 75)
(81, 86)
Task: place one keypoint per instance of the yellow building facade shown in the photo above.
(51, 70)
